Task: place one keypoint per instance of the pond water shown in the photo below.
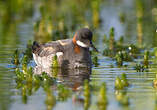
(141, 94)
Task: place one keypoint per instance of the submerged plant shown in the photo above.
(87, 95)
(102, 98)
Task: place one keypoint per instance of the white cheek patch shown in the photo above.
(81, 44)
(59, 54)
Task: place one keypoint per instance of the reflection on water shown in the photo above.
(73, 78)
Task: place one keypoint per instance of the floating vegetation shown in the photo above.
(87, 95)
(102, 97)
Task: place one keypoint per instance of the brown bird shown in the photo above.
(71, 53)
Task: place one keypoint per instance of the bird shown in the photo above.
(71, 53)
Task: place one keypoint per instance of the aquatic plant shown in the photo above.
(122, 17)
(28, 51)
(19, 74)
(46, 80)
(63, 92)
(50, 100)
(15, 59)
(24, 64)
(29, 75)
(119, 58)
(139, 68)
(43, 30)
(102, 97)
(133, 50)
(105, 38)
(55, 66)
(122, 98)
(121, 41)
(95, 61)
(111, 40)
(146, 58)
(107, 52)
(124, 80)
(87, 95)
(24, 94)
(55, 62)
(139, 15)
(155, 82)
(95, 4)
(118, 83)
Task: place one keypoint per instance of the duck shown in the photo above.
(71, 53)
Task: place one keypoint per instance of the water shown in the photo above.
(142, 95)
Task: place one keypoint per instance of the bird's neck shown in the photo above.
(76, 47)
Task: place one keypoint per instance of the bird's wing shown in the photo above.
(47, 49)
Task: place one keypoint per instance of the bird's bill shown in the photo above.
(94, 48)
